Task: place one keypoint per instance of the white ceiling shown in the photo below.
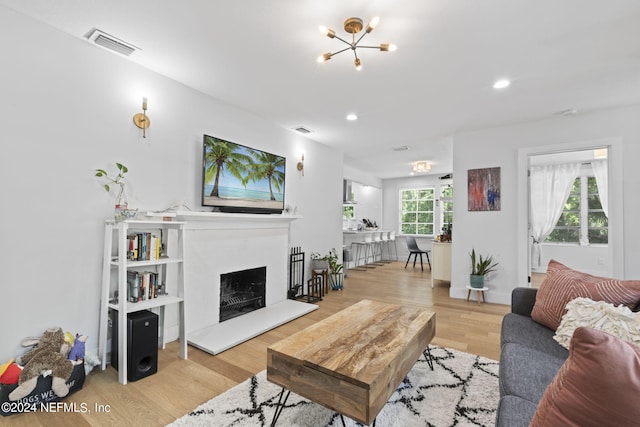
(260, 55)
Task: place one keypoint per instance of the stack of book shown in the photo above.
(144, 246)
(143, 285)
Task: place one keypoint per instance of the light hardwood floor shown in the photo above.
(180, 386)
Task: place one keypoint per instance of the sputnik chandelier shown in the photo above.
(353, 26)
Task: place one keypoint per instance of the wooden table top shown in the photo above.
(370, 345)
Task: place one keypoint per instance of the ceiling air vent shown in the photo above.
(402, 148)
(114, 44)
(302, 130)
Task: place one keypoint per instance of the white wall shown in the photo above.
(368, 202)
(501, 233)
(591, 259)
(66, 109)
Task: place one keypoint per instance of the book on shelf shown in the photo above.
(142, 285)
(144, 246)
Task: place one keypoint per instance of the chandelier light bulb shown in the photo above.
(373, 23)
(358, 64)
(327, 31)
(324, 57)
(386, 47)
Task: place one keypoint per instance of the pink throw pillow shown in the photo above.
(563, 284)
(598, 385)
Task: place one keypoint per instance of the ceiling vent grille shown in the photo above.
(302, 130)
(114, 44)
(403, 148)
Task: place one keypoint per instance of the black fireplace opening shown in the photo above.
(242, 292)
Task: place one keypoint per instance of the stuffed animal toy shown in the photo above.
(49, 357)
(76, 355)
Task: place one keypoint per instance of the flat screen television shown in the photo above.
(240, 179)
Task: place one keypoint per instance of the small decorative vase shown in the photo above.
(336, 281)
(476, 281)
(121, 204)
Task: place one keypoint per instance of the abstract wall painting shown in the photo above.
(484, 189)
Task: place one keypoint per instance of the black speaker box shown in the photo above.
(142, 344)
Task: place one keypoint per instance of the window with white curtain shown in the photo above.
(583, 220)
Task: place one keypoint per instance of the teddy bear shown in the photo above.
(49, 357)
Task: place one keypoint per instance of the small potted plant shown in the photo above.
(319, 263)
(336, 276)
(480, 267)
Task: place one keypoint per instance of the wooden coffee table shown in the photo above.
(352, 361)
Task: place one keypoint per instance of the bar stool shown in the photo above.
(385, 245)
(376, 248)
(392, 240)
(365, 245)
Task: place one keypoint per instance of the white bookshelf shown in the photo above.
(114, 277)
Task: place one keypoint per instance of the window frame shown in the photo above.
(401, 211)
(583, 210)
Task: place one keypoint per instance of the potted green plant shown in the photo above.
(480, 267)
(336, 276)
(319, 263)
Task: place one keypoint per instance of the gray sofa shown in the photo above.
(529, 359)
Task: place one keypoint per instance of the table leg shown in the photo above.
(428, 357)
(468, 294)
(280, 406)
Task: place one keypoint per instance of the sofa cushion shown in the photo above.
(523, 330)
(563, 284)
(514, 411)
(618, 321)
(525, 372)
(598, 385)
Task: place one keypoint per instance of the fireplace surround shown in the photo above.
(219, 243)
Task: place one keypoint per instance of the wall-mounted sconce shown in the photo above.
(141, 119)
(300, 165)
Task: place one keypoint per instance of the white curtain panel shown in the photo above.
(600, 171)
(550, 186)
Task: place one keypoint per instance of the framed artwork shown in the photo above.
(483, 189)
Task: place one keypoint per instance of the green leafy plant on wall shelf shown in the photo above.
(480, 267)
(122, 210)
(118, 179)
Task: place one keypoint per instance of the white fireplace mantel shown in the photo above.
(218, 243)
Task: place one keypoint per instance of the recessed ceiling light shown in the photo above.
(501, 84)
(351, 117)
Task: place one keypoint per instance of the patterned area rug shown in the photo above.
(462, 390)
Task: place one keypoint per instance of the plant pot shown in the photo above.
(319, 265)
(336, 281)
(476, 281)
